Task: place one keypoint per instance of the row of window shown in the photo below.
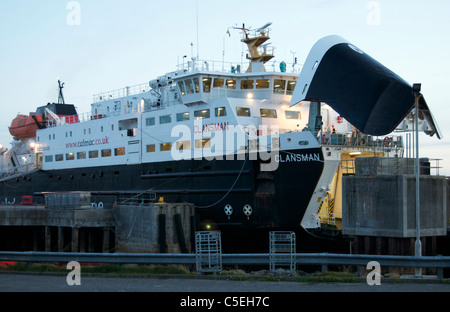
(180, 145)
(151, 148)
(220, 112)
(83, 155)
(199, 114)
(191, 86)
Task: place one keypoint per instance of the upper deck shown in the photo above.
(192, 87)
(214, 71)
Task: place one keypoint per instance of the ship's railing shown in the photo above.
(80, 118)
(236, 67)
(18, 171)
(122, 92)
(389, 145)
(361, 140)
(427, 166)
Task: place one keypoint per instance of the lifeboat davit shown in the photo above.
(25, 127)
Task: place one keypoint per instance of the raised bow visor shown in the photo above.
(370, 96)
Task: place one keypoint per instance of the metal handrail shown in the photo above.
(121, 92)
(19, 171)
(231, 67)
(349, 165)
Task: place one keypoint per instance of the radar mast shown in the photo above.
(255, 39)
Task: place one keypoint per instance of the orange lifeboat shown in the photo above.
(24, 127)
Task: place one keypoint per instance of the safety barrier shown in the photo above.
(318, 259)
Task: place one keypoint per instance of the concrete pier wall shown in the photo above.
(380, 200)
(386, 206)
(69, 223)
(153, 228)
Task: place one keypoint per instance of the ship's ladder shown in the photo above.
(326, 210)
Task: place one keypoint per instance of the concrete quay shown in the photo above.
(151, 227)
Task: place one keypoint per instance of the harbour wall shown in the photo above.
(379, 208)
(69, 225)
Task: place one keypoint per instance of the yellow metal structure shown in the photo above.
(330, 210)
(254, 41)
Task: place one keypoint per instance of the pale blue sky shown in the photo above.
(120, 43)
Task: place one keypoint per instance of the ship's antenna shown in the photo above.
(198, 53)
(61, 96)
(294, 59)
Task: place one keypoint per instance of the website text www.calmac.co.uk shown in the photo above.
(84, 143)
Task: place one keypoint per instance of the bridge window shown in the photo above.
(206, 85)
(189, 86)
(279, 86)
(182, 88)
(246, 84)
(197, 85)
(290, 87)
(218, 82)
(262, 83)
(231, 84)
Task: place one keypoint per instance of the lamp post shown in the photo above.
(418, 243)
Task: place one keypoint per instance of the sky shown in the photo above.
(98, 45)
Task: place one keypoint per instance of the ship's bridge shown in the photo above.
(202, 87)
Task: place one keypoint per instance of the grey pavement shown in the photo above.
(178, 293)
(27, 282)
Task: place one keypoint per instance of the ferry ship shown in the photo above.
(257, 145)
